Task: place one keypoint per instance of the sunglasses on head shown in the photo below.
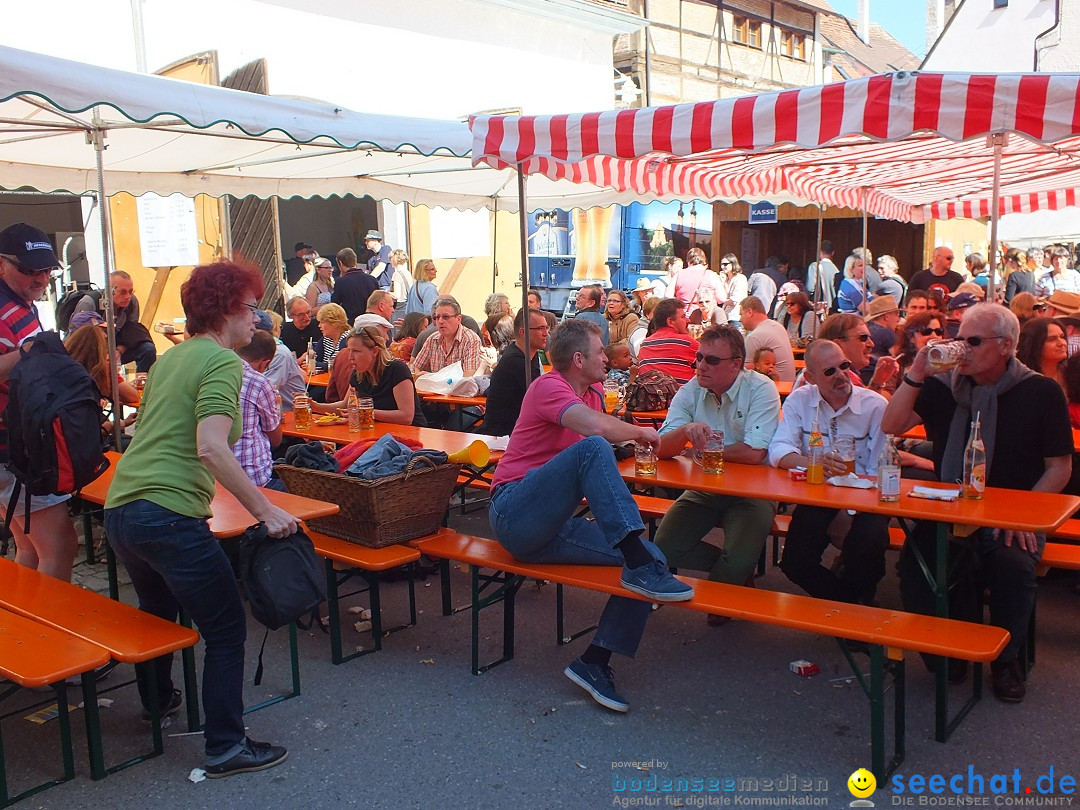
(926, 331)
(711, 359)
(844, 366)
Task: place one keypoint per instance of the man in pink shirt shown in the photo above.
(560, 451)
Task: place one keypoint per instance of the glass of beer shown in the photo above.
(611, 395)
(844, 447)
(943, 355)
(644, 459)
(302, 412)
(367, 413)
(712, 456)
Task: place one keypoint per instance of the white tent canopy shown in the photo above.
(165, 136)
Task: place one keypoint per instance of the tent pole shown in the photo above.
(818, 291)
(995, 201)
(865, 239)
(97, 136)
(523, 225)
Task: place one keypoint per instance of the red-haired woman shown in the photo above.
(159, 502)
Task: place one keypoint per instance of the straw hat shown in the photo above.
(882, 305)
(1067, 303)
(643, 285)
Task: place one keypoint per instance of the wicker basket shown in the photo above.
(378, 513)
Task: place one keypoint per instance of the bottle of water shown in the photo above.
(888, 472)
(352, 407)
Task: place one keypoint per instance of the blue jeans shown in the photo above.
(175, 561)
(534, 520)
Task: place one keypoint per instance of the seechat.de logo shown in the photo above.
(861, 784)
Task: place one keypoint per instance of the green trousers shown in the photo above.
(746, 523)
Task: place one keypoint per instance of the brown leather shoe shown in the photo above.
(1008, 681)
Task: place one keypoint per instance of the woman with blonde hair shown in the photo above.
(621, 318)
(401, 281)
(333, 323)
(376, 374)
(735, 286)
(1018, 277)
(424, 293)
(321, 287)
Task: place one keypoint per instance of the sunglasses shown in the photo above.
(445, 317)
(725, 264)
(865, 336)
(712, 359)
(975, 341)
(926, 331)
(52, 271)
(1038, 308)
(844, 366)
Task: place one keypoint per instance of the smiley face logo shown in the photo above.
(861, 783)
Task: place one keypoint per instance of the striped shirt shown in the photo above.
(670, 352)
(259, 415)
(18, 322)
(465, 349)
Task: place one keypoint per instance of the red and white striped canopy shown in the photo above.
(907, 146)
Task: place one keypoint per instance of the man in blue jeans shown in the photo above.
(560, 451)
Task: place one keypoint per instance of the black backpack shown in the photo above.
(53, 418)
(282, 577)
(65, 307)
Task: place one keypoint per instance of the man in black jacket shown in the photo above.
(354, 287)
(301, 327)
(508, 387)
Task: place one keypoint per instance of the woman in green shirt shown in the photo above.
(157, 510)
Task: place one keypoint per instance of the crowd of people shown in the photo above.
(212, 409)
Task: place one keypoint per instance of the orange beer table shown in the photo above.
(449, 441)
(229, 518)
(320, 380)
(998, 508)
(919, 432)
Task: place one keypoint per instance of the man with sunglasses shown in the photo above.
(746, 406)
(841, 409)
(27, 260)
(1024, 424)
(939, 275)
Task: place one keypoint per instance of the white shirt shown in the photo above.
(772, 335)
(860, 417)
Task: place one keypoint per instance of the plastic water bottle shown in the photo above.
(352, 407)
(888, 472)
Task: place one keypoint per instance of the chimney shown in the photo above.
(935, 20)
(863, 27)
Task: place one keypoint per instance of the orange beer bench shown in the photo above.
(887, 632)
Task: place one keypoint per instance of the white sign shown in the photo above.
(460, 234)
(168, 235)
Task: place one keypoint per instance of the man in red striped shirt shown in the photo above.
(669, 348)
(27, 260)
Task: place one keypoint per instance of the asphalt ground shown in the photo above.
(410, 726)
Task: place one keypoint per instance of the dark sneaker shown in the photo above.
(175, 702)
(599, 681)
(1008, 681)
(254, 756)
(656, 582)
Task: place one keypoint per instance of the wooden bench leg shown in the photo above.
(506, 588)
(334, 580)
(560, 635)
(883, 662)
(94, 745)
